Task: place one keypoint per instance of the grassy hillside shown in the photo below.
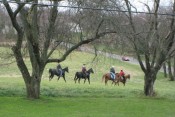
(83, 100)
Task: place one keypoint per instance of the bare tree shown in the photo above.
(149, 41)
(39, 53)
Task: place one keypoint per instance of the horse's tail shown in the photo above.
(50, 74)
(103, 78)
(50, 70)
(75, 75)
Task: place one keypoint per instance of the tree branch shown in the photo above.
(78, 45)
(134, 36)
(53, 49)
(50, 30)
(20, 6)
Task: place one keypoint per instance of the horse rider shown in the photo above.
(122, 75)
(84, 70)
(59, 70)
(112, 72)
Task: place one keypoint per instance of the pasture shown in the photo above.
(83, 100)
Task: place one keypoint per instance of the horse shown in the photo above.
(53, 72)
(79, 75)
(107, 77)
(120, 79)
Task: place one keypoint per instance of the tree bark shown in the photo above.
(33, 88)
(149, 83)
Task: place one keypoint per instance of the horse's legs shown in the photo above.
(106, 82)
(89, 80)
(50, 77)
(64, 78)
(58, 78)
(118, 83)
(113, 82)
(84, 80)
(79, 80)
(75, 80)
(124, 83)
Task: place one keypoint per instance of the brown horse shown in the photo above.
(120, 79)
(107, 77)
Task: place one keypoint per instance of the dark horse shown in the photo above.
(79, 75)
(119, 79)
(107, 77)
(53, 72)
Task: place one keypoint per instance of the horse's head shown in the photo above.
(90, 70)
(66, 69)
(117, 75)
(127, 76)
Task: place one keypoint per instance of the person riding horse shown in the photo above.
(112, 72)
(59, 69)
(84, 71)
(122, 75)
(58, 72)
(79, 75)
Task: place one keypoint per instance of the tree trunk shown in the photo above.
(149, 83)
(164, 69)
(33, 88)
(170, 70)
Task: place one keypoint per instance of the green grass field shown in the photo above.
(83, 100)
